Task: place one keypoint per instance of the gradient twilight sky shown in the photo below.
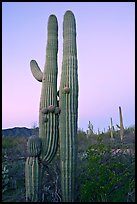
(106, 60)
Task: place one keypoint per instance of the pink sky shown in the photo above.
(106, 60)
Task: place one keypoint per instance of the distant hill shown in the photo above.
(20, 131)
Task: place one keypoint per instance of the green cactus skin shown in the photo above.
(121, 124)
(42, 152)
(68, 95)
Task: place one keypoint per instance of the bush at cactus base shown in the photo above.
(107, 178)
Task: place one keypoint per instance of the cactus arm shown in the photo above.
(36, 72)
(118, 126)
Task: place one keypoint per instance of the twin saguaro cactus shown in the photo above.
(55, 121)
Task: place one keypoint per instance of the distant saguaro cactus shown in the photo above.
(42, 149)
(98, 131)
(121, 124)
(68, 100)
(90, 129)
(111, 129)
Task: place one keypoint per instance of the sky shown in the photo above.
(106, 60)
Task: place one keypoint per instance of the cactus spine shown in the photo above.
(121, 124)
(68, 95)
(42, 150)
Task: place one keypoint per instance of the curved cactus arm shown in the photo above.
(37, 73)
(52, 143)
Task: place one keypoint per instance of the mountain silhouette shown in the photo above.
(20, 131)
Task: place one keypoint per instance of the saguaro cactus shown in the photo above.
(42, 150)
(121, 124)
(68, 101)
(111, 129)
(98, 131)
(90, 128)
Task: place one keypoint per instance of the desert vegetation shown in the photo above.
(105, 168)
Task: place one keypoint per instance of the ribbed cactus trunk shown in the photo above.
(68, 101)
(42, 150)
(121, 124)
(48, 116)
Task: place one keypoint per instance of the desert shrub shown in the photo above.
(13, 142)
(81, 134)
(5, 177)
(9, 142)
(130, 130)
(107, 178)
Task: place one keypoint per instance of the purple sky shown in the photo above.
(106, 60)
